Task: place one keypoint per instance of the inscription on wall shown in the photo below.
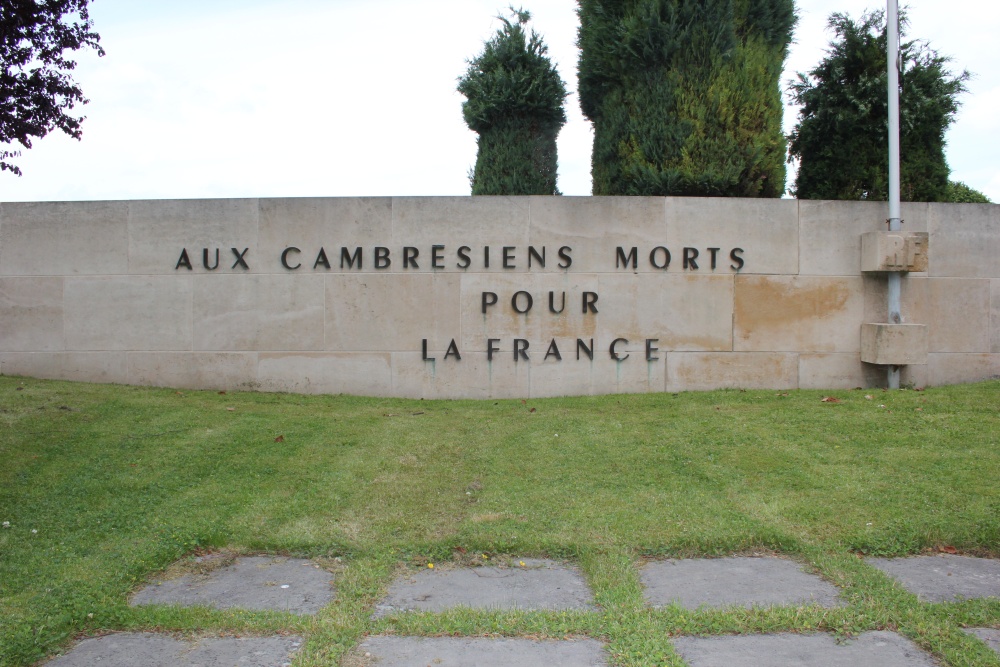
(439, 257)
(506, 257)
(476, 297)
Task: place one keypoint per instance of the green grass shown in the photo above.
(119, 482)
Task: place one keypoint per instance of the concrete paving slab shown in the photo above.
(459, 652)
(540, 584)
(944, 578)
(257, 582)
(989, 635)
(152, 650)
(744, 582)
(885, 649)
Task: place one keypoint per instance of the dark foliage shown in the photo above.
(960, 193)
(515, 103)
(841, 139)
(37, 91)
(684, 95)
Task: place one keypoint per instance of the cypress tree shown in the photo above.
(684, 95)
(841, 138)
(515, 103)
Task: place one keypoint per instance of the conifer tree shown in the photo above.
(685, 95)
(515, 103)
(841, 139)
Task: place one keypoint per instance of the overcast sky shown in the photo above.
(264, 98)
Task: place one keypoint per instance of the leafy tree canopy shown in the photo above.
(37, 91)
(960, 193)
(515, 103)
(841, 139)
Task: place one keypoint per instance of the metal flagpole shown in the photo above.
(892, 54)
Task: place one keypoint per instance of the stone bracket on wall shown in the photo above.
(893, 344)
(893, 251)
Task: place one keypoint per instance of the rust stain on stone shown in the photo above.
(764, 304)
(733, 369)
(693, 343)
(565, 326)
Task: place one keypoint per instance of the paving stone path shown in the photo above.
(258, 582)
(133, 649)
(723, 582)
(457, 652)
(526, 584)
(884, 649)
(944, 578)
(301, 587)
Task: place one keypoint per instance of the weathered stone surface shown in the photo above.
(199, 370)
(766, 229)
(804, 314)
(944, 578)
(31, 314)
(392, 313)
(149, 313)
(457, 652)
(159, 230)
(699, 371)
(837, 371)
(830, 233)
(830, 236)
(684, 312)
(742, 582)
(151, 650)
(75, 366)
(281, 313)
(603, 375)
(472, 377)
(595, 227)
(365, 374)
(949, 368)
(913, 298)
(909, 376)
(455, 221)
(958, 315)
(315, 223)
(258, 582)
(885, 649)
(782, 320)
(989, 635)
(965, 240)
(63, 238)
(539, 584)
(539, 325)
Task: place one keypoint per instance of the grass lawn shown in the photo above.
(103, 486)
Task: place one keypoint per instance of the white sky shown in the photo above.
(264, 98)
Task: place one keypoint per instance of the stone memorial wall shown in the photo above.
(449, 297)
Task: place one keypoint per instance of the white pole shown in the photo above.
(892, 54)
